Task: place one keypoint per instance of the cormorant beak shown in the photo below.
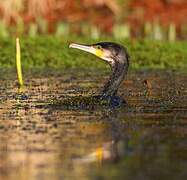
(88, 48)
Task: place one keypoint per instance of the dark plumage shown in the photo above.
(119, 65)
(117, 57)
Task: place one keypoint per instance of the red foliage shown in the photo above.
(165, 11)
(102, 13)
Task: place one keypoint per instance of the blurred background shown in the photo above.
(152, 19)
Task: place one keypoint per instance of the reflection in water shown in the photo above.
(145, 140)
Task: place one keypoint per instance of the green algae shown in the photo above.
(80, 102)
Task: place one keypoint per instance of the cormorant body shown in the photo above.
(117, 57)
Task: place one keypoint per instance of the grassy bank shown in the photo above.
(53, 52)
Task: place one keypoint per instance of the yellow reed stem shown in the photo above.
(18, 63)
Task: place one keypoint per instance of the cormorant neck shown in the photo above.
(119, 70)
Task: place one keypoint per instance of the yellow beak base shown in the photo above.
(99, 53)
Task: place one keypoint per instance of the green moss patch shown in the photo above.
(53, 52)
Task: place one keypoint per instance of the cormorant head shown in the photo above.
(114, 54)
(108, 51)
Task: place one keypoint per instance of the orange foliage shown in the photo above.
(102, 13)
(166, 11)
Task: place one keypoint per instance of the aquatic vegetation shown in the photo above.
(84, 102)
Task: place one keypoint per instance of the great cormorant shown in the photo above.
(117, 57)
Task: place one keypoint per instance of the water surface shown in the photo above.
(146, 139)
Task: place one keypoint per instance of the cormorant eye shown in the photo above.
(99, 47)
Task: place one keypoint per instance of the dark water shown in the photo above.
(145, 140)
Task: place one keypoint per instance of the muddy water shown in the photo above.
(43, 139)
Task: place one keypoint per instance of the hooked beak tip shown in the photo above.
(71, 45)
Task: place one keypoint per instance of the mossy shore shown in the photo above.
(53, 52)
